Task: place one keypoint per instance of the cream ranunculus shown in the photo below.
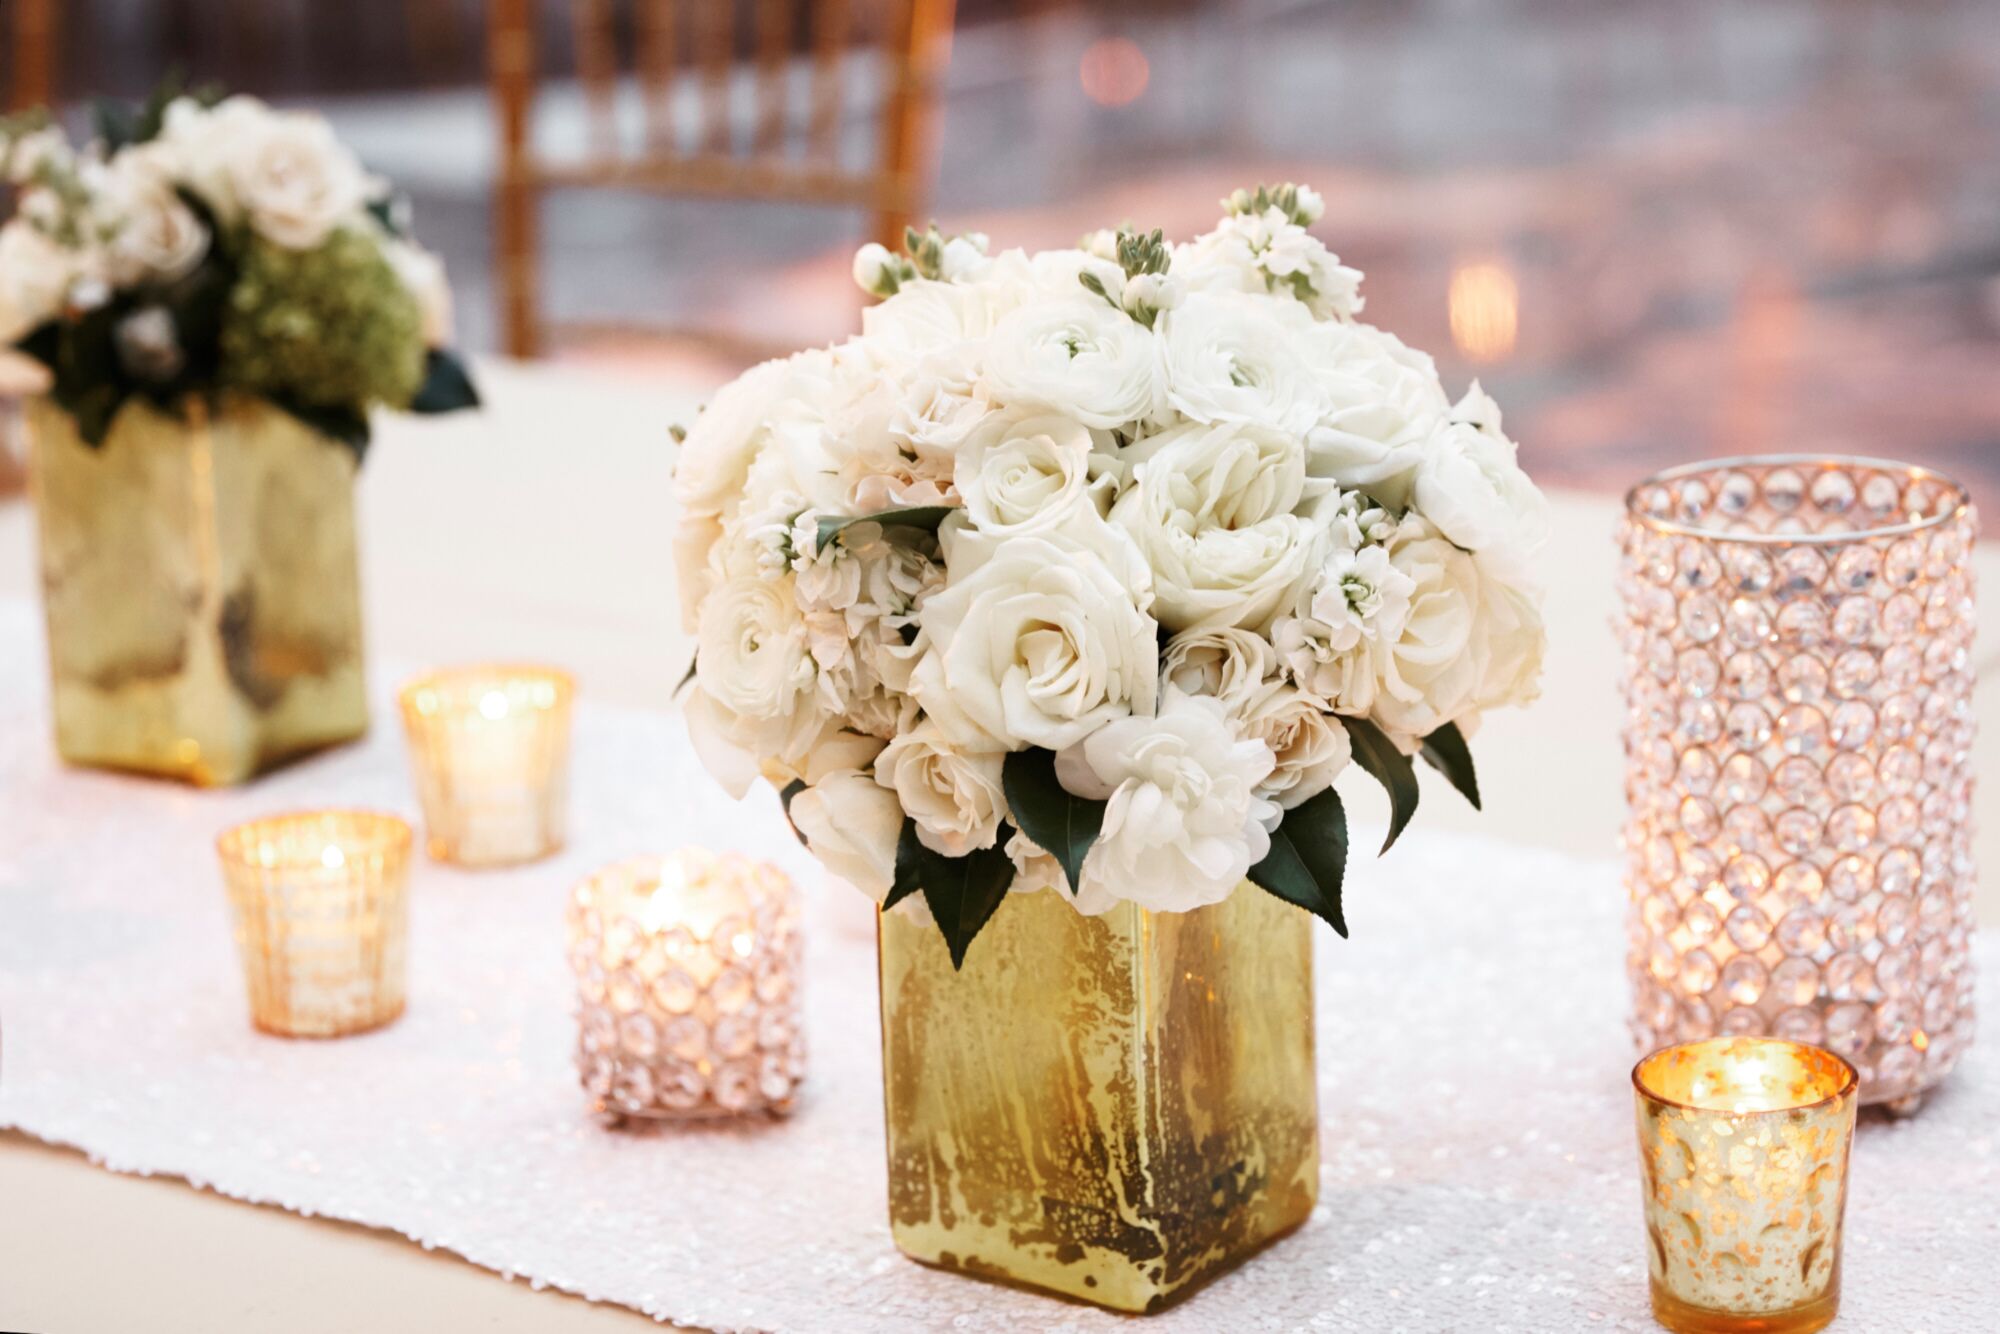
(294, 180)
(1078, 356)
(754, 667)
(1468, 485)
(1383, 400)
(953, 796)
(1310, 744)
(1228, 663)
(1038, 646)
(1184, 822)
(1234, 357)
(1023, 476)
(1215, 510)
(852, 824)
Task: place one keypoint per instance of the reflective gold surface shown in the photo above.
(322, 919)
(1744, 1145)
(201, 589)
(1113, 1108)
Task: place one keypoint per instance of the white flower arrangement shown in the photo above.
(200, 244)
(1092, 570)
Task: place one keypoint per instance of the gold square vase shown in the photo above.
(1112, 1108)
(200, 580)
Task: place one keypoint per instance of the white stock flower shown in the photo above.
(1023, 476)
(1382, 403)
(35, 278)
(953, 796)
(1232, 357)
(1184, 823)
(1214, 511)
(1080, 357)
(1269, 252)
(872, 266)
(1468, 485)
(1036, 647)
(1359, 598)
(1310, 745)
(422, 274)
(1225, 662)
(852, 824)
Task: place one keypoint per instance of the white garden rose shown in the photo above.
(294, 181)
(1023, 476)
(753, 663)
(1310, 746)
(710, 472)
(1383, 401)
(1468, 485)
(1078, 356)
(1515, 641)
(852, 824)
(940, 405)
(1431, 671)
(35, 278)
(1038, 646)
(1217, 513)
(1183, 823)
(1225, 662)
(197, 146)
(1233, 357)
(154, 236)
(1034, 869)
(953, 796)
(1358, 599)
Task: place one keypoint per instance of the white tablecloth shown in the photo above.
(1479, 1166)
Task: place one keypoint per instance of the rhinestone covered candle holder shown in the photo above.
(1743, 1147)
(1798, 742)
(489, 747)
(687, 972)
(322, 919)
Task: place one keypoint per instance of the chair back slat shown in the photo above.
(659, 52)
(718, 58)
(774, 50)
(830, 39)
(597, 70)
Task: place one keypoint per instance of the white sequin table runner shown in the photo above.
(1480, 1171)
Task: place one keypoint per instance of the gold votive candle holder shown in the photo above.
(687, 972)
(1744, 1143)
(489, 748)
(322, 918)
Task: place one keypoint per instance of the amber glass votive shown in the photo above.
(322, 919)
(687, 971)
(1744, 1143)
(489, 747)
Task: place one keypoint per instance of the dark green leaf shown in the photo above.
(1392, 769)
(962, 892)
(349, 426)
(693, 663)
(1308, 858)
(927, 517)
(1445, 751)
(1061, 823)
(446, 386)
(116, 123)
(785, 795)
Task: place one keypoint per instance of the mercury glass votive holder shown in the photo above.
(489, 748)
(1797, 638)
(322, 918)
(687, 971)
(1743, 1144)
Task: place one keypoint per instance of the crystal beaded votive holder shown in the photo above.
(322, 919)
(489, 749)
(1743, 1146)
(687, 971)
(1798, 742)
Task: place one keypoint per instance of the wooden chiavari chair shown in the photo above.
(785, 157)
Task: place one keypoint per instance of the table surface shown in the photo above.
(542, 527)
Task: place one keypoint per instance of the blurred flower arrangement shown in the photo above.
(202, 244)
(1096, 568)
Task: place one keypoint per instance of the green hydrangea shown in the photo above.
(332, 327)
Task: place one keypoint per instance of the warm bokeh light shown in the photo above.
(1113, 72)
(1485, 310)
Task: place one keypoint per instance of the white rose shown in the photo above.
(1358, 599)
(422, 274)
(1184, 823)
(1233, 357)
(155, 236)
(954, 797)
(294, 180)
(1228, 663)
(1431, 671)
(1212, 509)
(852, 825)
(1471, 489)
(35, 278)
(1022, 476)
(927, 317)
(1038, 646)
(1514, 640)
(1034, 869)
(1382, 403)
(1080, 357)
(197, 145)
(711, 471)
(754, 665)
(939, 405)
(1310, 745)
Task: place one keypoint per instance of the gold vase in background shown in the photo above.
(200, 581)
(1113, 1108)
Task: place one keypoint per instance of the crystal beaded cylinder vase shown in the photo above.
(1113, 1108)
(489, 749)
(1797, 640)
(200, 584)
(1743, 1149)
(687, 971)
(322, 919)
